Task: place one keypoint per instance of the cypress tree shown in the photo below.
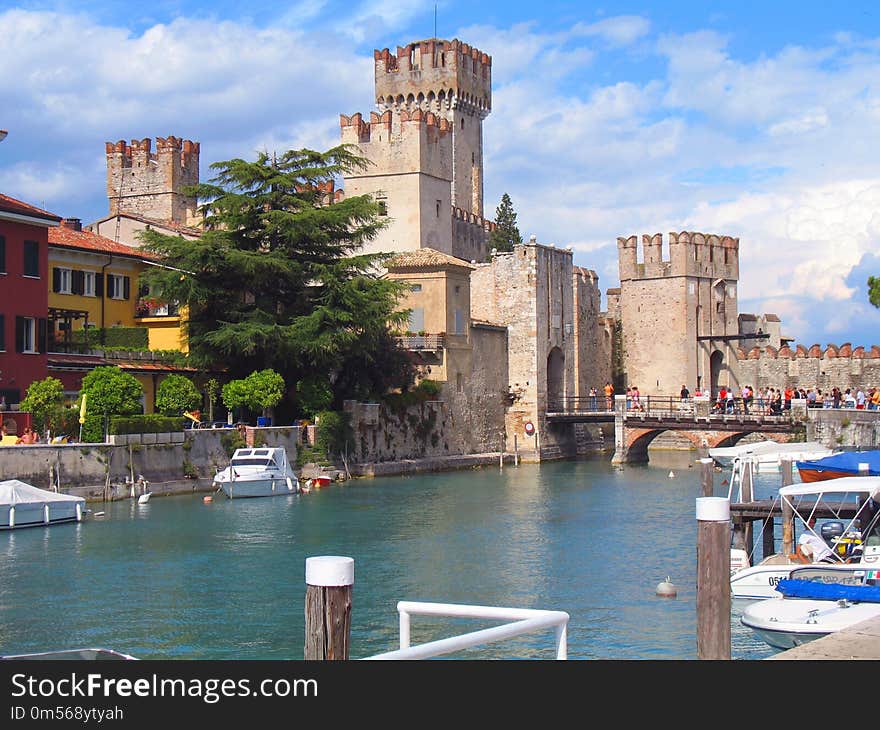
(506, 233)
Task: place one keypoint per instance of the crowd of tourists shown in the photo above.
(774, 401)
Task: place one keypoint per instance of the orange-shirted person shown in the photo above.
(609, 394)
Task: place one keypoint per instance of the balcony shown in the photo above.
(420, 343)
(155, 308)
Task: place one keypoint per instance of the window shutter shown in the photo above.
(77, 282)
(19, 334)
(42, 343)
(56, 280)
(126, 287)
(99, 285)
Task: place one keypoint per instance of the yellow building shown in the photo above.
(94, 283)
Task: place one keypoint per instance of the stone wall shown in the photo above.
(841, 428)
(814, 367)
(88, 466)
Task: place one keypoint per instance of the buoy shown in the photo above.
(99, 514)
(666, 589)
(208, 499)
(671, 475)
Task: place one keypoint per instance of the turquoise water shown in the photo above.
(177, 578)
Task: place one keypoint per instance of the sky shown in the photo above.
(756, 120)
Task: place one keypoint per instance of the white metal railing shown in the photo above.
(522, 621)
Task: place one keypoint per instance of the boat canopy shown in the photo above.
(845, 461)
(14, 492)
(869, 486)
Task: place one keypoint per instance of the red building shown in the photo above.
(24, 296)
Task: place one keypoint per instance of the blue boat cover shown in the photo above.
(847, 461)
(797, 588)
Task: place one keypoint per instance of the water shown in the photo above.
(180, 579)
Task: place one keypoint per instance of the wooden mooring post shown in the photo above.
(713, 578)
(707, 483)
(329, 582)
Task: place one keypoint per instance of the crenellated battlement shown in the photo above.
(831, 351)
(387, 122)
(691, 253)
(150, 184)
(434, 75)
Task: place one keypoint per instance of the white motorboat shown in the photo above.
(807, 610)
(855, 543)
(23, 505)
(257, 472)
(768, 455)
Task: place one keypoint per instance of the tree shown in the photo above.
(275, 281)
(212, 388)
(874, 290)
(43, 400)
(110, 391)
(506, 234)
(259, 391)
(176, 394)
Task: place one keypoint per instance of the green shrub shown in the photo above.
(333, 432)
(150, 423)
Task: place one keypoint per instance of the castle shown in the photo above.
(513, 335)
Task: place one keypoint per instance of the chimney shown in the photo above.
(71, 224)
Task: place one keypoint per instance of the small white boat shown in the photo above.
(768, 455)
(23, 505)
(855, 544)
(808, 610)
(257, 472)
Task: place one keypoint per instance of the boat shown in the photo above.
(89, 654)
(843, 464)
(855, 544)
(768, 455)
(257, 472)
(23, 505)
(807, 610)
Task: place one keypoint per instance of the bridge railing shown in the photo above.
(670, 406)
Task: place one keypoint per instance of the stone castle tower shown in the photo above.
(679, 315)
(425, 145)
(149, 185)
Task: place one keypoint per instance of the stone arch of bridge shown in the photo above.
(638, 440)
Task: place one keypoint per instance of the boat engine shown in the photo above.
(830, 531)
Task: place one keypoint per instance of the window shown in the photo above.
(118, 287)
(459, 322)
(30, 335)
(32, 259)
(2, 255)
(438, 208)
(61, 279)
(417, 319)
(88, 283)
(416, 288)
(383, 207)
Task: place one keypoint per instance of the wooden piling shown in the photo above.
(707, 467)
(785, 468)
(329, 582)
(713, 578)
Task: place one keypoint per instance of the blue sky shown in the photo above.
(754, 120)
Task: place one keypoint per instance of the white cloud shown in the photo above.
(620, 30)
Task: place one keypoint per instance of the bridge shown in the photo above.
(698, 419)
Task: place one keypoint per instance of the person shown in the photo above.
(813, 549)
(685, 393)
(636, 399)
(609, 395)
(729, 402)
(593, 399)
(27, 437)
(3, 406)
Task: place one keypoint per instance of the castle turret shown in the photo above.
(427, 177)
(150, 185)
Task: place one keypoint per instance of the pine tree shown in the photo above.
(506, 234)
(276, 280)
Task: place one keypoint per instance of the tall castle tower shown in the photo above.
(425, 144)
(693, 340)
(148, 185)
